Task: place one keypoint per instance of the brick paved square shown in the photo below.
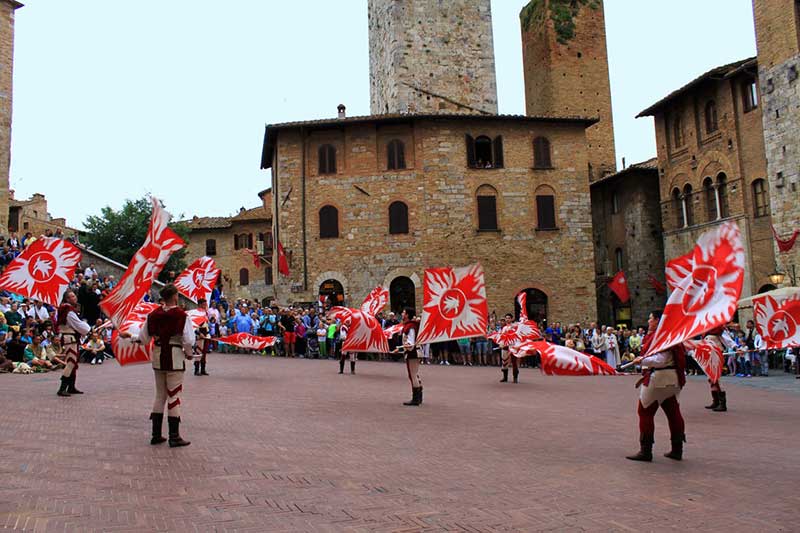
(291, 445)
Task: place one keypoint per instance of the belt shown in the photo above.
(662, 368)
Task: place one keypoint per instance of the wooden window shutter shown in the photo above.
(487, 213)
(545, 212)
(250, 240)
(498, 151)
(470, 151)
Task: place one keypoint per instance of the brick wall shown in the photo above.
(572, 80)
(428, 55)
(440, 192)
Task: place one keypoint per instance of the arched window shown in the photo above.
(545, 208)
(482, 152)
(711, 117)
(710, 195)
(244, 277)
(327, 159)
(331, 293)
(619, 259)
(328, 222)
(760, 198)
(677, 132)
(687, 202)
(268, 276)
(722, 194)
(677, 208)
(395, 155)
(398, 218)
(541, 153)
(211, 247)
(487, 208)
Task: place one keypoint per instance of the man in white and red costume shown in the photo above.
(664, 374)
(71, 328)
(410, 329)
(719, 397)
(506, 359)
(173, 333)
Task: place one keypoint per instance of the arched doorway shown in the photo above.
(536, 304)
(401, 294)
(331, 293)
(766, 288)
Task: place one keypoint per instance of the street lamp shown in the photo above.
(777, 277)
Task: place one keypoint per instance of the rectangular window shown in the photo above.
(545, 212)
(750, 95)
(211, 247)
(487, 213)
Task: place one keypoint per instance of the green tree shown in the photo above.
(562, 12)
(119, 234)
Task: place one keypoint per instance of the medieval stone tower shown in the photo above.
(7, 8)
(566, 74)
(778, 40)
(431, 56)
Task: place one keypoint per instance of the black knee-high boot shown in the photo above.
(71, 385)
(203, 367)
(352, 367)
(62, 390)
(676, 452)
(516, 375)
(714, 400)
(505, 375)
(723, 402)
(197, 368)
(645, 449)
(175, 439)
(341, 366)
(158, 420)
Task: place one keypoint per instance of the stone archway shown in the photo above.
(331, 292)
(535, 303)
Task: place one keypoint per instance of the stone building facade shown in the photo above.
(232, 243)
(626, 219)
(406, 192)
(429, 56)
(32, 216)
(7, 9)
(778, 40)
(570, 78)
(712, 165)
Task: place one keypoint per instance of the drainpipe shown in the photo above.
(303, 208)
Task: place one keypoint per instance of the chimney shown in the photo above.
(341, 109)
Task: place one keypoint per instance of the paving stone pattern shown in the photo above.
(290, 445)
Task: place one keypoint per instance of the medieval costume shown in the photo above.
(508, 361)
(409, 339)
(173, 334)
(661, 384)
(342, 354)
(71, 328)
(719, 398)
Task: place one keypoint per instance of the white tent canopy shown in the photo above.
(783, 292)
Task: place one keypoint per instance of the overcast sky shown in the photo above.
(114, 99)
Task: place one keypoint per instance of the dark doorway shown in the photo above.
(536, 303)
(331, 293)
(401, 294)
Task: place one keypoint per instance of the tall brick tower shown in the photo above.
(7, 8)
(566, 74)
(431, 56)
(778, 40)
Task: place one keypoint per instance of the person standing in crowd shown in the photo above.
(287, 329)
(172, 331)
(411, 356)
(71, 328)
(612, 348)
(663, 377)
(344, 355)
(599, 342)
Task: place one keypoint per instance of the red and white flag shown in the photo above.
(619, 285)
(375, 301)
(518, 332)
(283, 263)
(126, 351)
(391, 331)
(198, 280)
(145, 265)
(778, 319)
(708, 354)
(454, 304)
(197, 316)
(678, 269)
(43, 270)
(522, 301)
(248, 341)
(562, 361)
(706, 298)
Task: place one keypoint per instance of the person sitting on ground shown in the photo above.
(94, 348)
(55, 352)
(35, 354)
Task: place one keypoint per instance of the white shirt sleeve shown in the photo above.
(411, 338)
(727, 340)
(657, 360)
(144, 334)
(77, 324)
(188, 337)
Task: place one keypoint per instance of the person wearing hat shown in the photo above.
(71, 328)
(170, 328)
